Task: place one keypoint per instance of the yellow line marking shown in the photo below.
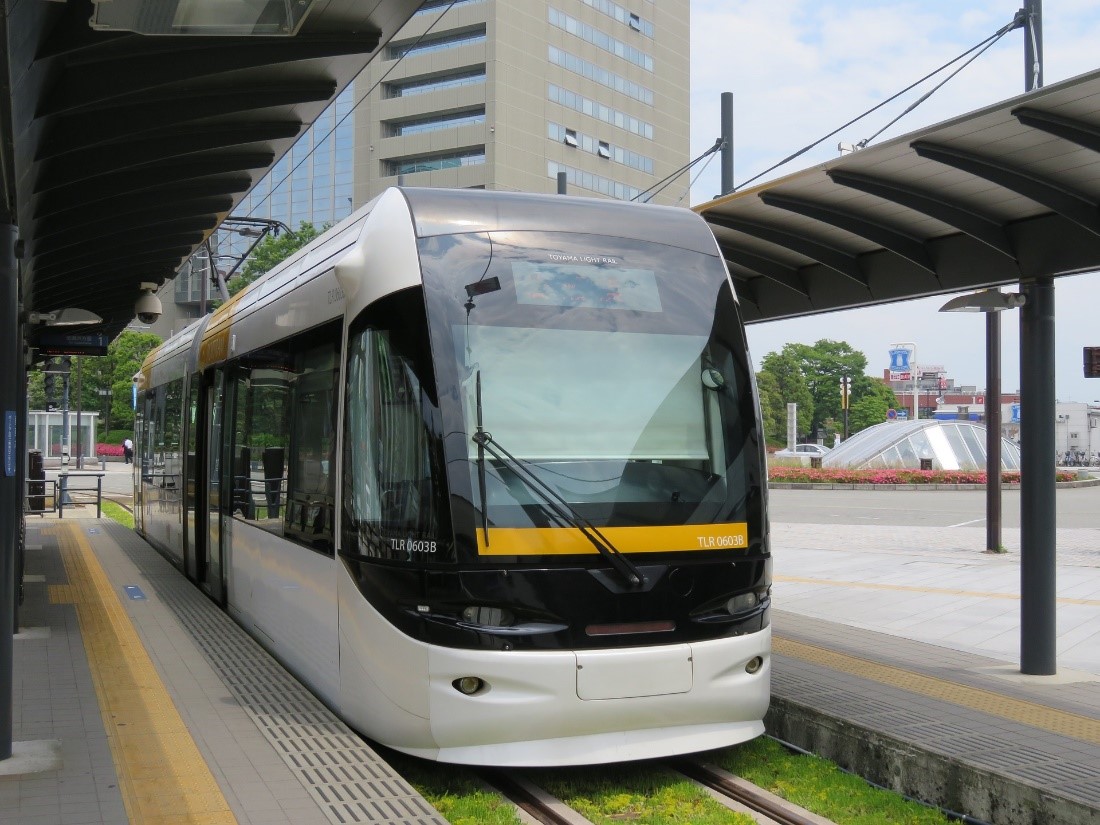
(908, 588)
(162, 775)
(1074, 725)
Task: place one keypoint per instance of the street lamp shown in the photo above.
(991, 302)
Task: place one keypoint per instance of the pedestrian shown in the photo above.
(128, 451)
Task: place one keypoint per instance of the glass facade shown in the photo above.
(312, 182)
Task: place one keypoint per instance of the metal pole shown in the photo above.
(79, 412)
(11, 484)
(727, 142)
(993, 432)
(1038, 536)
(1033, 45)
(916, 384)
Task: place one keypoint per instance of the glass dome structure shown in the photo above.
(952, 445)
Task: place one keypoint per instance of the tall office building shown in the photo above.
(504, 95)
(491, 94)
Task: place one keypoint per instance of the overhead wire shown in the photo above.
(1017, 21)
(665, 181)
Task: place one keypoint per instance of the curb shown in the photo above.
(808, 485)
(920, 773)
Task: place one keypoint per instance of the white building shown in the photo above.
(1077, 432)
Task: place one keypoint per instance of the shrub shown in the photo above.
(109, 449)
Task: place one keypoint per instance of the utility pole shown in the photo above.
(727, 142)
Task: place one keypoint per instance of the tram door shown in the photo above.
(210, 574)
(192, 474)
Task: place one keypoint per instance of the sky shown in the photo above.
(798, 69)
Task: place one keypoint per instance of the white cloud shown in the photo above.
(798, 69)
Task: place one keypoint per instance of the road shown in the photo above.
(1077, 507)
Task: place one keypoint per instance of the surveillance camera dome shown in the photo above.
(147, 307)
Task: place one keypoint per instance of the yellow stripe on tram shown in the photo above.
(1076, 726)
(162, 775)
(569, 541)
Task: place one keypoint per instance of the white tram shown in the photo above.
(484, 470)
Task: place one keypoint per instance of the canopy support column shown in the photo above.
(12, 420)
(1038, 506)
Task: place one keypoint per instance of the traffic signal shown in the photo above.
(845, 391)
(1092, 362)
(51, 390)
(65, 363)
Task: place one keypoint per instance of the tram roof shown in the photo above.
(1003, 194)
(120, 153)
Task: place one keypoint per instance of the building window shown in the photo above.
(601, 75)
(431, 163)
(590, 107)
(570, 138)
(591, 34)
(435, 5)
(588, 143)
(443, 120)
(595, 183)
(450, 40)
(604, 149)
(423, 85)
(617, 12)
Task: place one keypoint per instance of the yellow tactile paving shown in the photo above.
(908, 588)
(163, 778)
(1073, 725)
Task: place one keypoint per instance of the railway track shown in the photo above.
(732, 791)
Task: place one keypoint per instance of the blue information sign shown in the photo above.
(10, 431)
(899, 360)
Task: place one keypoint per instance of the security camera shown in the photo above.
(147, 308)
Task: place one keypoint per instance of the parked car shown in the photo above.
(803, 452)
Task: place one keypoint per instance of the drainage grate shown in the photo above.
(343, 775)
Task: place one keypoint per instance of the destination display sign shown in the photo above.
(51, 342)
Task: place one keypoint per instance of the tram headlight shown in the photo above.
(741, 602)
(488, 616)
(468, 685)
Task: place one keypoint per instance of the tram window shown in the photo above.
(392, 458)
(283, 437)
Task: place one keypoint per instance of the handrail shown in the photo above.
(69, 475)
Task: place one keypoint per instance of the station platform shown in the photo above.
(895, 654)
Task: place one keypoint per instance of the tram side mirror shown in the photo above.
(713, 379)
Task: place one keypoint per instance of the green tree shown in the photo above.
(822, 366)
(786, 371)
(773, 410)
(270, 252)
(873, 397)
(126, 354)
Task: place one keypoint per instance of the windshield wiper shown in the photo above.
(481, 465)
(557, 505)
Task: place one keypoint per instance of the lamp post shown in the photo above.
(992, 302)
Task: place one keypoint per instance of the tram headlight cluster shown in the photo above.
(488, 616)
(742, 602)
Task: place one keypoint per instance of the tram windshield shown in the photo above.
(604, 374)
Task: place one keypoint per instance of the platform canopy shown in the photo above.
(1000, 195)
(132, 128)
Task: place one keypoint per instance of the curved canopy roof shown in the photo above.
(1005, 193)
(120, 152)
(951, 445)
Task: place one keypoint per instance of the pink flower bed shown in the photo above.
(812, 475)
(109, 449)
